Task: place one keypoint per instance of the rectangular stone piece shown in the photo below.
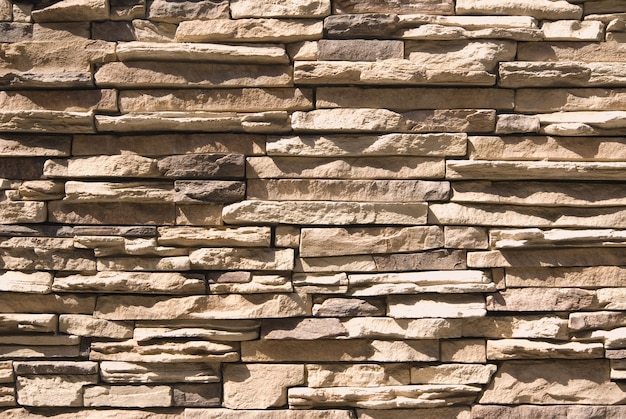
(542, 299)
(111, 213)
(18, 322)
(128, 372)
(528, 349)
(436, 305)
(128, 307)
(35, 145)
(434, 7)
(359, 50)
(250, 30)
(194, 351)
(547, 257)
(533, 170)
(280, 8)
(338, 350)
(128, 396)
(539, 9)
(47, 303)
(443, 259)
(561, 74)
(226, 258)
(572, 51)
(569, 99)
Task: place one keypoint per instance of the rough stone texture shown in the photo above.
(249, 30)
(260, 386)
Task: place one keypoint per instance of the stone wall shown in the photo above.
(313, 209)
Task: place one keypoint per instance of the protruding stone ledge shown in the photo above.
(534, 237)
(590, 256)
(127, 282)
(529, 349)
(436, 305)
(540, 9)
(128, 372)
(58, 122)
(543, 299)
(552, 74)
(282, 8)
(205, 236)
(249, 30)
(497, 169)
(430, 7)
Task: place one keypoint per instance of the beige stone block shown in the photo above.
(470, 22)
(573, 30)
(73, 10)
(88, 326)
(259, 386)
(217, 100)
(118, 372)
(347, 307)
(572, 51)
(7, 396)
(195, 351)
(111, 213)
(534, 237)
(215, 330)
(537, 193)
(40, 340)
(6, 372)
(18, 322)
(529, 349)
(456, 237)
(515, 123)
(430, 7)
(52, 390)
(287, 236)
(200, 307)
(435, 144)
(257, 284)
(174, 12)
(612, 298)
(40, 190)
(387, 397)
(542, 299)
(47, 121)
(55, 368)
(433, 306)
(374, 190)
(260, 122)
(569, 99)
(546, 147)
(340, 350)
(384, 327)
(453, 374)
(268, 414)
(346, 168)
(475, 169)
(523, 216)
(103, 166)
(38, 352)
(303, 329)
(153, 192)
(463, 350)
(355, 50)
(159, 51)
(582, 123)
(128, 396)
(282, 8)
(150, 74)
(47, 259)
(545, 412)
(428, 413)
(539, 9)
(356, 375)
(67, 101)
(343, 241)
(199, 215)
(551, 74)
(132, 282)
(21, 413)
(150, 31)
(22, 212)
(546, 257)
(31, 282)
(46, 80)
(320, 283)
(416, 98)
(47, 303)
(596, 320)
(172, 263)
(324, 213)
(224, 236)
(250, 30)
(35, 145)
(481, 55)
(387, 72)
(520, 326)
(553, 382)
(236, 259)
(437, 32)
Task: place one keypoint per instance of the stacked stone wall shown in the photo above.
(312, 209)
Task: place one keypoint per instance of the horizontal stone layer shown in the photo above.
(548, 74)
(249, 30)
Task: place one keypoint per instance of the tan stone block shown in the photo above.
(324, 213)
(596, 320)
(257, 284)
(158, 51)
(128, 396)
(47, 259)
(73, 10)
(111, 213)
(200, 307)
(356, 375)
(553, 382)
(470, 22)
(47, 121)
(549, 74)
(463, 350)
(153, 192)
(226, 236)
(545, 412)
(35, 145)
(582, 123)
(150, 31)
(521, 326)
(547, 257)
(357, 50)
(105, 166)
(236, 259)
(197, 395)
(199, 215)
(523, 216)
(529, 349)
(475, 169)
(215, 330)
(456, 237)
(347, 307)
(540, 9)
(437, 32)
(340, 350)
(437, 144)
(250, 30)
(453, 374)
(346, 190)
(164, 352)
(217, 100)
(402, 6)
(384, 327)
(572, 51)
(441, 259)
(86, 325)
(127, 372)
(387, 397)
(320, 283)
(40, 340)
(572, 99)
(429, 413)
(56, 368)
(434, 305)
(302, 329)
(344, 241)
(287, 236)
(150, 74)
(346, 168)
(132, 282)
(6, 372)
(13, 323)
(573, 30)
(267, 414)
(515, 123)
(40, 190)
(68, 101)
(282, 8)
(52, 390)
(260, 122)
(612, 298)
(481, 55)
(47, 303)
(542, 299)
(33, 282)
(173, 263)
(259, 386)
(535, 193)
(534, 237)
(22, 212)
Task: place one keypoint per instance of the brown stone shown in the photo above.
(434, 7)
(422, 261)
(175, 11)
(359, 50)
(111, 213)
(362, 25)
(197, 395)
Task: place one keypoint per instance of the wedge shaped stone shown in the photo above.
(282, 8)
(553, 382)
(128, 372)
(539, 9)
(250, 30)
(73, 10)
(200, 307)
(429, 305)
(151, 74)
(528, 349)
(88, 326)
(324, 213)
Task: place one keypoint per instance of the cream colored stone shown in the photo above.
(215, 330)
(472, 169)
(86, 325)
(12, 323)
(103, 166)
(22, 413)
(281, 9)
(73, 10)
(553, 382)
(272, 121)
(436, 32)
(546, 257)
(104, 100)
(346, 190)
(33, 282)
(137, 51)
(128, 396)
(6, 372)
(39, 352)
(539, 9)
(129, 282)
(55, 303)
(78, 191)
(463, 350)
(45, 340)
(386, 397)
(596, 320)
(612, 298)
(41, 190)
(286, 236)
(249, 30)
(173, 263)
(528, 349)
(258, 284)
(515, 123)
(340, 350)
(346, 168)
(470, 22)
(549, 74)
(317, 242)
(443, 144)
(267, 414)
(356, 375)
(165, 352)
(384, 327)
(324, 213)
(46, 121)
(127, 372)
(22, 212)
(199, 215)
(520, 326)
(433, 305)
(259, 386)
(461, 54)
(453, 374)
(387, 72)
(149, 31)
(543, 299)
(320, 283)
(465, 238)
(462, 412)
(569, 99)
(33, 259)
(52, 390)
(534, 237)
(573, 30)
(234, 259)
(200, 307)
(226, 236)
